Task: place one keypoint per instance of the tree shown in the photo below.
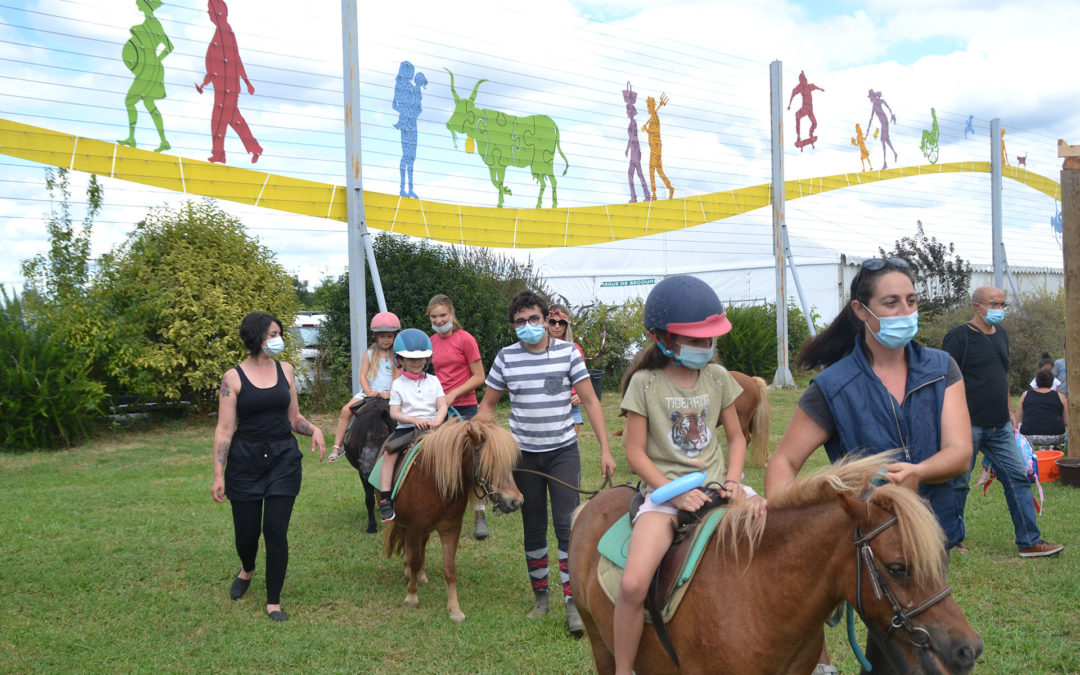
(478, 281)
(176, 291)
(942, 278)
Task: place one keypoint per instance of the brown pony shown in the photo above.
(752, 406)
(455, 460)
(765, 586)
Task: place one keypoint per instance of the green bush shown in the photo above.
(750, 347)
(610, 335)
(47, 399)
(478, 281)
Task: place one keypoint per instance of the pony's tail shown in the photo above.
(393, 541)
(759, 426)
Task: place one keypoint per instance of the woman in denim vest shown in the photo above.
(880, 391)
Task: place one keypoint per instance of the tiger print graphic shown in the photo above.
(690, 432)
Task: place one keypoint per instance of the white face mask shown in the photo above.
(274, 346)
(443, 329)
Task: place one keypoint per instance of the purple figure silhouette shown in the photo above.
(633, 150)
(806, 109)
(877, 102)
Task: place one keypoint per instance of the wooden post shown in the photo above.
(1070, 240)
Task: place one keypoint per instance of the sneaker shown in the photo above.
(386, 510)
(1041, 550)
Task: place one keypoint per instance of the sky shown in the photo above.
(571, 60)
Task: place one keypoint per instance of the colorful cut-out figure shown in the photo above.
(859, 139)
(407, 99)
(633, 149)
(1004, 155)
(877, 108)
(143, 59)
(224, 70)
(970, 126)
(1021, 160)
(806, 109)
(930, 137)
(652, 128)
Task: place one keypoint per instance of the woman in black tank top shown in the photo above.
(256, 457)
(1042, 411)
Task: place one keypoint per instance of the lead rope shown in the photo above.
(592, 493)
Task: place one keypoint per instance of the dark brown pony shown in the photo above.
(755, 415)
(368, 428)
(457, 460)
(765, 586)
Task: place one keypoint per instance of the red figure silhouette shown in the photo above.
(806, 89)
(224, 70)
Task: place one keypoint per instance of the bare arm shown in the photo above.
(490, 400)
(365, 364)
(802, 437)
(591, 405)
(476, 378)
(1018, 416)
(441, 406)
(1065, 412)
(223, 432)
(297, 421)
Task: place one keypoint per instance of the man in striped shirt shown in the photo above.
(538, 371)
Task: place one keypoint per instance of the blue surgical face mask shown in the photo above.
(995, 316)
(896, 331)
(274, 346)
(689, 356)
(530, 334)
(443, 329)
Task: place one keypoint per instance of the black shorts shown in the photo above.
(260, 469)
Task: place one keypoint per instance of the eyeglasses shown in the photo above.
(533, 320)
(558, 322)
(875, 264)
(994, 305)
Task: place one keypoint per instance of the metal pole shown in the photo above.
(798, 286)
(1008, 273)
(376, 281)
(995, 198)
(783, 376)
(354, 188)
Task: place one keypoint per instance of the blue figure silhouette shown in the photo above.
(407, 98)
(970, 127)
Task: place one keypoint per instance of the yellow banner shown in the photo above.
(453, 223)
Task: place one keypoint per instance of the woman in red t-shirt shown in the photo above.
(456, 359)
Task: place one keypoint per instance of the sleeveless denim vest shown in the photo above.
(869, 419)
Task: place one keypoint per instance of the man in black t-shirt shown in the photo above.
(981, 348)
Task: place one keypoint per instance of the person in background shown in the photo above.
(1060, 373)
(558, 327)
(457, 363)
(1046, 361)
(981, 348)
(377, 373)
(1042, 413)
(256, 457)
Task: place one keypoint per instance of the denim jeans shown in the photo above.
(999, 446)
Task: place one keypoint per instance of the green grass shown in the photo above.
(114, 558)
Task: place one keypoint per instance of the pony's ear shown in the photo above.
(858, 509)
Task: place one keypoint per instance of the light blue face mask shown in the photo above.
(994, 316)
(274, 346)
(691, 357)
(896, 331)
(530, 334)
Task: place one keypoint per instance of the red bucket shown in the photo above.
(1048, 470)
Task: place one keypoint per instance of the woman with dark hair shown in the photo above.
(256, 457)
(1043, 412)
(880, 391)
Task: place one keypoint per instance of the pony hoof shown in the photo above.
(457, 616)
(372, 528)
(412, 601)
(422, 578)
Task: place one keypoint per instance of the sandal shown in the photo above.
(335, 454)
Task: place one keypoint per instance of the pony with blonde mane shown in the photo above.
(459, 459)
(755, 415)
(765, 586)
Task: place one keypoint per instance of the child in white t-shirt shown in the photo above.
(417, 403)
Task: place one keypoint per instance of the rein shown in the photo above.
(916, 635)
(592, 493)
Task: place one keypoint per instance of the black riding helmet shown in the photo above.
(685, 305)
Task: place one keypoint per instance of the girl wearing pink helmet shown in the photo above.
(377, 372)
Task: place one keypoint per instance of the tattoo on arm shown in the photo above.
(224, 392)
(302, 426)
(221, 453)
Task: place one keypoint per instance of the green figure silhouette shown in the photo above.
(143, 59)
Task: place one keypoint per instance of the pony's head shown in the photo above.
(496, 458)
(476, 454)
(896, 578)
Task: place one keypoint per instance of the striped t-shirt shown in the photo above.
(539, 386)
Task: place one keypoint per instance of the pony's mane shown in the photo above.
(442, 452)
(921, 536)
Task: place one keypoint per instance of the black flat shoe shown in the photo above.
(278, 615)
(239, 587)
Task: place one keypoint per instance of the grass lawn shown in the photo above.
(114, 558)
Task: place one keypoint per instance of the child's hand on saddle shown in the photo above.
(732, 491)
(690, 501)
(384, 394)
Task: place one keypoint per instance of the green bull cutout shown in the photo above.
(504, 140)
